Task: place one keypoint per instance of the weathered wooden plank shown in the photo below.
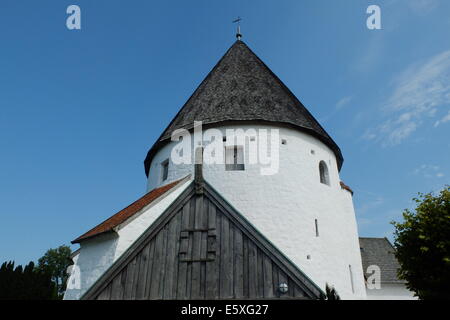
(157, 263)
(196, 245)
(238, 265)
(188, 293)
(232, 262)
(268, 281)
(105, 294)
(116, 292)
(204, 245)
(212, 230)
(204, 234)
(202, 279)
(172, 264)
(170, 292)
(184, 244)
(275, 279)
(205, 214)
(184, 235)
(191, 241)
(185, 216)
(291, 287)
(149, 278)
(225, 265)
(196, 248)
(162, 269)
(211, 215)
(231, 265)
(260, 271)
(213, 267)
(181, 280)
(211, 246)
(135, 277)
(188, 280)
(197, 283)
(196, 278)
(198, 223)
(182, 266)
(130, 278)
(245, 273)
(192, 213)
(140, 285)
(252, 271)
(123, 281)
(298, 293)
(176, 261)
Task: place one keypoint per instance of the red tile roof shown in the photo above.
(121, 216)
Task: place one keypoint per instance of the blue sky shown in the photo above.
(79, 109)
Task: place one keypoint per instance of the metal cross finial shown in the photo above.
(238, 33)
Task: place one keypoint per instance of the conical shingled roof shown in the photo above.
(242, 88)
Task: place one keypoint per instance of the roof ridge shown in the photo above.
(372, 238)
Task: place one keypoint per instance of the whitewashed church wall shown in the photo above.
(131, 231)
(99, 253)
(284, 207)
(95, 256)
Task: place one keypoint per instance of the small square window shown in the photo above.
(234, 158)
(164, 170)
(283, 141)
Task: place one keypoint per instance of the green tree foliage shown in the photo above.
(55, 262)
(25, 283)
(330, 293)
(422, 243)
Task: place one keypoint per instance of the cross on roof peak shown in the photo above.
(239, 19)
(238, 32)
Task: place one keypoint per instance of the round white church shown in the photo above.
(280, 226)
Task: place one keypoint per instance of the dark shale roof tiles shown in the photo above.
(242, 88)
(380, 252)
